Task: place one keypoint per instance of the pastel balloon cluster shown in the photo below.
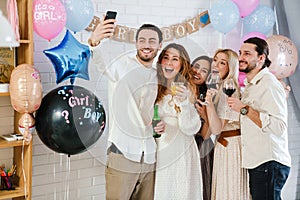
(50, 17)
(225, 14)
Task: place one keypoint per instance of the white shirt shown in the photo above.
(132, 89)
(265, 94)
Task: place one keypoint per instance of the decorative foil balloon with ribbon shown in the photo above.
(70, 119)
(25, 95)
(70, 59)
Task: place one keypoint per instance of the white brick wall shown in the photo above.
(85, 180)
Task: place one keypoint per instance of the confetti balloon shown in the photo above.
(70, 119)
(284, 56)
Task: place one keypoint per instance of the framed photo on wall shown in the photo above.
(7, 63)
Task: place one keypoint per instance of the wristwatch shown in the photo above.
(244, 110)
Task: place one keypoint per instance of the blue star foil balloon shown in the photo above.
(70, 59)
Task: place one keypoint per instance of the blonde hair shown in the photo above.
(233, 72)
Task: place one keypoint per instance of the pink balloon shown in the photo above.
(246, 7)
(49, 18)
(254, 34)
(284, 56)
(241, 79)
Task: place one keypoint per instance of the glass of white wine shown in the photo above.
(174, 86)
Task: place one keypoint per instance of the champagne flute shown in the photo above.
(229, 87)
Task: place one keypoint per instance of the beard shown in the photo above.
(249, 67)
(147, 58)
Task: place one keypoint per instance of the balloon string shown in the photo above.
(220, 40)
(23, 169)
(242, 30)
(68, 169)
(276, 21)
(54, 175)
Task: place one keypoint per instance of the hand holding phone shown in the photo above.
(102, 31)
(110, 15)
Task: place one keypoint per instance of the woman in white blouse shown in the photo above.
(178, 171)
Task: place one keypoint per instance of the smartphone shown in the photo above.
(110, 15)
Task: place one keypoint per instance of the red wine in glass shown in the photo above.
(229, 87)
(229, 91)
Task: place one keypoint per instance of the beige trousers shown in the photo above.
(126, 179)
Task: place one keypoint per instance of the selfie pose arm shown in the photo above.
(105, 29)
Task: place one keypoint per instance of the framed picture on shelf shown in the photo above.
(7, 63)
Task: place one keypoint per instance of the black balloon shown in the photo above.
(70, 119)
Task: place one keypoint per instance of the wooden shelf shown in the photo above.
(18, 192)
(4, 94)
(7, 144)
(22, 155)
(24, 41)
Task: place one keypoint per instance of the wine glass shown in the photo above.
(229, 87)
(213, 80)
(174, 86)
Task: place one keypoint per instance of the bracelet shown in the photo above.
(93, 44)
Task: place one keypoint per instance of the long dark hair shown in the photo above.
(202, 88)
(184, 74)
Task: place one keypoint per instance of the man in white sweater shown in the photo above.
(132, 83)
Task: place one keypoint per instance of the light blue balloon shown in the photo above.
(261, 20)
(224, 15)
(79, 14)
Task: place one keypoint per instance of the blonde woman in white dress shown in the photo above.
(178, 170)
(229, 179)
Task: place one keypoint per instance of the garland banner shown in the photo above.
(127, 34)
